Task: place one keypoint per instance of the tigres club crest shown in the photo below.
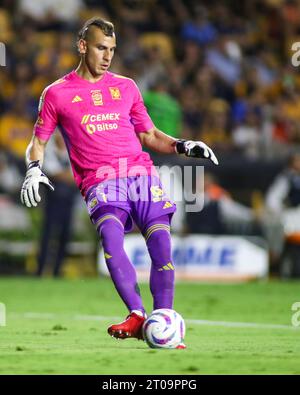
(97, 97)
(115, 93)
(157, 193)
(92, 204)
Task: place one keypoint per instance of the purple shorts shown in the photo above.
(142, 197)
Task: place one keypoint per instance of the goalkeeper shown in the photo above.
(104, 123)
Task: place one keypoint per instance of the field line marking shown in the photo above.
(81, 317)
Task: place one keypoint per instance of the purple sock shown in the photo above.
(111, 229)
(162, 276)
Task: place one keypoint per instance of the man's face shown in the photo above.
(98, 50)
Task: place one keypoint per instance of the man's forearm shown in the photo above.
(159, 141)
(35, 151)
(34, 176)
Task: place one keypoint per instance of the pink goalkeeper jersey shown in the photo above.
(99, 122)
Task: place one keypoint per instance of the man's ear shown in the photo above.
(81, 45)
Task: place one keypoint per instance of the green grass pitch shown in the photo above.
(59, 327)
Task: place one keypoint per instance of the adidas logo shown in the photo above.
(167, 205)
(169, 266)
(76, 99)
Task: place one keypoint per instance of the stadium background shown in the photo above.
(215, 71)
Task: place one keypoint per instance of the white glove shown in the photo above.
(196, 149)
(30, 188)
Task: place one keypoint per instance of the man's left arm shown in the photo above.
(155, 139)
(160, 142)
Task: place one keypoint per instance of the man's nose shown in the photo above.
(107, 55)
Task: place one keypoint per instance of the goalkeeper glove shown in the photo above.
(195, 149)
(30, 188)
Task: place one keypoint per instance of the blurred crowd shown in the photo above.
(217, 71)
(209, 70)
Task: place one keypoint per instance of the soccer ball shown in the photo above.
(164, 328)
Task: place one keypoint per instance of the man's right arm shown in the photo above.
(35, 150)
(43, 129)
(34, 176)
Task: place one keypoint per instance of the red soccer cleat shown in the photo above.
(131, 327)
(181, 346)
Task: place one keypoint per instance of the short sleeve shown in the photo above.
(139, 115)
(47, 117)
